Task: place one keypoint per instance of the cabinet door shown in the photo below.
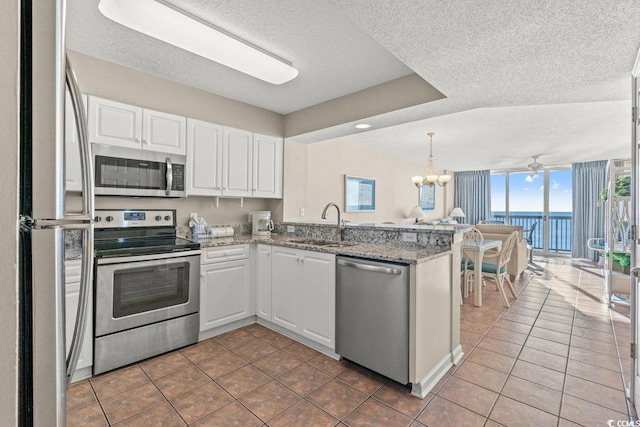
(267, 166)
(318, 297)
(285, 265)
(72, 295)
(225, 290)
(163, 132)
(204, 158)
(263, 281)
(114, 123)
(73, 173)
(237, 152)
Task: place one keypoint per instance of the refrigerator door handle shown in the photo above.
(86, 163)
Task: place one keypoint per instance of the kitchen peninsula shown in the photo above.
(433, 260)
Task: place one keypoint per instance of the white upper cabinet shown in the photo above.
(267, 166)
(237, 164)
(114, 123)
(204, 160)
(163, 132)
(73, 173)
(124, 125)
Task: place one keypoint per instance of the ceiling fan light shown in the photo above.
(160, 21)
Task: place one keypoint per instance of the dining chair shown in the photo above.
(494, 267)
(529, 239)
(472, 236)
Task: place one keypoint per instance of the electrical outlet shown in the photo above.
(291, 229)
(301, 211)
(410, 237)
(193, 215)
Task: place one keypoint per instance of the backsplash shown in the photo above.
(431, 238)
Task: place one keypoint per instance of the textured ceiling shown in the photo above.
(334, 58)
(521, 77)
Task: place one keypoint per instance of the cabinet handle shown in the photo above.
(202, 275)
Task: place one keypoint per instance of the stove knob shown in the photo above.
(158, 217)
(167, 218)
(98, 219)
(109, 218)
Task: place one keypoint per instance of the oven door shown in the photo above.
(141, 290)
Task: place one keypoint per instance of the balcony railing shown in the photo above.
(559, 229)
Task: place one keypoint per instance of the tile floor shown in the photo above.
(549, 360)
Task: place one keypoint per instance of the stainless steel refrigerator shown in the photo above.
(44, 368)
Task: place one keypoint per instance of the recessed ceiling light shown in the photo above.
(165, 22)
(363, 126)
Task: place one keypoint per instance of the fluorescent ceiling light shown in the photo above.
(163, 22)
(363, 126)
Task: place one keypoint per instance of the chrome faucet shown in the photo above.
(340, 223)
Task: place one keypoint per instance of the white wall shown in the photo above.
(9, 52)
(109, 80)
(228, 211)
(314, 176)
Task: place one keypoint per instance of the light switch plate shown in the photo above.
(193, 215)
(291, 229)
(410, 237)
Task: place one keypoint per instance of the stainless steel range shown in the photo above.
(147, 287)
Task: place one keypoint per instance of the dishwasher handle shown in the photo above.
(369, 267)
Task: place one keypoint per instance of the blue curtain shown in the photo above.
(589, 178)
(472, 194)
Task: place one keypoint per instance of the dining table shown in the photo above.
(476, 249)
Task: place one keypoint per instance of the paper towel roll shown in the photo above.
(221, 231)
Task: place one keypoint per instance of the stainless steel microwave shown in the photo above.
(121, 171)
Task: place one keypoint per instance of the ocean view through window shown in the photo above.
(518, 198)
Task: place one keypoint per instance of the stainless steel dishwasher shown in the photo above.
(372, 315)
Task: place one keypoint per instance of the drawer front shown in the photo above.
(226, 253)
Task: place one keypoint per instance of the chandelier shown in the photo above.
(432, 176)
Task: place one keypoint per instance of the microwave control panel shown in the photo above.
(178, 178)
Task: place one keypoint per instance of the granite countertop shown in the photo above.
(406, 254)
(383, 252)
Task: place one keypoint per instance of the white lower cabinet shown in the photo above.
(318, 298)
(72, 295)
(285, 275)
(303, 293)
(263, 282)
(225, 286)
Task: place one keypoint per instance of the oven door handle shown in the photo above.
(169, 176)
(136, 258)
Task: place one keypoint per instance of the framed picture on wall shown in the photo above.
(360, 194)
(428, 197)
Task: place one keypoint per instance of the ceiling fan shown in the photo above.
(535, 166)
